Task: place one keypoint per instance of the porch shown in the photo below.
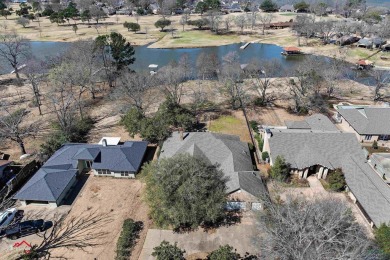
(319, 171)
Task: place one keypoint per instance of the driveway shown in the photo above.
(240, 236)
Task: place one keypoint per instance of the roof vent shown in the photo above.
(104, 142)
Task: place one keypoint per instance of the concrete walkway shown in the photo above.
(240, 236)
(315, 184)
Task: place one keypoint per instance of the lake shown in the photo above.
(146, 56)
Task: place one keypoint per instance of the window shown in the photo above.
(384, 137)
(124, 174)
(103, 172)
(367, 137)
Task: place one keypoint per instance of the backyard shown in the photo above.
(233, 124)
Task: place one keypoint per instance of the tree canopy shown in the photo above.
(184, 192)
(268, 6)
(162, 23)
(120, 50)
(382, 237)
(321, 228)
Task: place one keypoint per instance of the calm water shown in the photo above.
(146, 56)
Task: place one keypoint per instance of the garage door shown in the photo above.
(235, 205)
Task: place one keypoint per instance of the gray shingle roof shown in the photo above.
(252, 183)
(54, 176)
(46, 185)
(368, 120)
(314, 122)
(304, 148)
(226, 150)
(369, 189)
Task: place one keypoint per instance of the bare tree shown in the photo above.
(97, 13)
(321, 228)
(13, 126)
(133, 87)
(332, 72)
(62, 101)
(35, 73)
(184, 19)
(207, 65)
(382, 83)
(304, 25)
(15, 50)
(261, 75)
(265, 19)
(185, 64)
(171, 79)
(241, 22)
(77, 232)
(230, 78)
(228, 21)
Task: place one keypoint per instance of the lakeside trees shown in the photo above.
(15, 50)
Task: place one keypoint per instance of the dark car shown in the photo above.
(26, 228)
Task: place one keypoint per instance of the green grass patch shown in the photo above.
(224, 123)
(201, 38)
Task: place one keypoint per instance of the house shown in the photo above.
(287, 8)
(244, 186)
(369, 124)
(280, 25)
(365, 43)
(317, 122)
(321, 151)
(378, 42)
(54, 180)
(347, 40)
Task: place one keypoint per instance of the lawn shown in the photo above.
(194, 38)
(232, 124)
(288, 14)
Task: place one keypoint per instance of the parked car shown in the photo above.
(27, 228)
(9, 216)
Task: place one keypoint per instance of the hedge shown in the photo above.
(127, 239)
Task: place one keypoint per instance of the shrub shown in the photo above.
(382, 237)
(264, 155)
(23, 21)
(253, 124)
(375, 145)
(225, 252)
(127, 239)
(199, 23)
(260, 141)
(336, 180)
(167, 251)
(134, 27)
(280, 170)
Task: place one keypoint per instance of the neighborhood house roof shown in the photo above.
(368, 188)
(227, 151)
(382, 163)
(55, 175)
(368, 120)
(251, 183)
(314, 122)
(365, 42)
(287, 7)
(305, 148)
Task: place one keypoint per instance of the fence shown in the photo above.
(16, 183)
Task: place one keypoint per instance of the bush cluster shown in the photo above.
(127, 239)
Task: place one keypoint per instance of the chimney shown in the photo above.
(181, 134)
(104, 142)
